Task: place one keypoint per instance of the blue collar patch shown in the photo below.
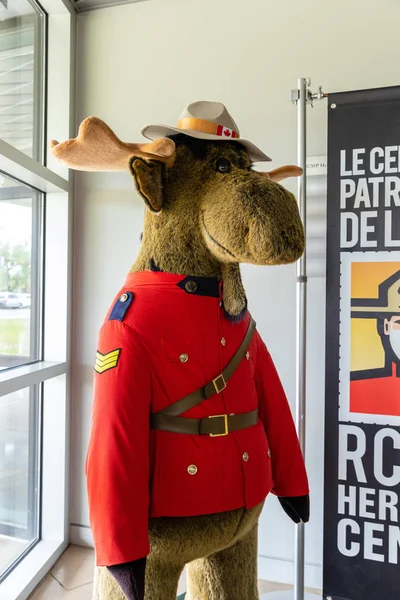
(201, 286)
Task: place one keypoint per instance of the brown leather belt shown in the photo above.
(215, 426)
(169, 419)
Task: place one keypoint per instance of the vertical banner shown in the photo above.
(362, 426)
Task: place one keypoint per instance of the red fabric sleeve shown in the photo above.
(288, 470)
(117, 465)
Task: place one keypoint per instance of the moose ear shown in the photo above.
(149, 178)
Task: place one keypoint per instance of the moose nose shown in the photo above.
(266, 242)
(257, 238)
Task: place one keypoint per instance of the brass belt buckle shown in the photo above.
(226, 423)
(219, 384)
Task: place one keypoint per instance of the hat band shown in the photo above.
(209, 127)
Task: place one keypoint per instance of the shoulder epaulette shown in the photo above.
(121, 306)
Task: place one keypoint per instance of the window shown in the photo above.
(19, 474)
(21, 75)
(21, 253)
(37, 45)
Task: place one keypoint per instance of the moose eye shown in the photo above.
(223, 165)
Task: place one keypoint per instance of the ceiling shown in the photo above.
(84, 5)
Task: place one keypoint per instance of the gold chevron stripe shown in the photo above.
(101, 362)
(105, 362)
(101, 370)
(109, 354)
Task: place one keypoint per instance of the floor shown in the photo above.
(72, 578)
(10, 549)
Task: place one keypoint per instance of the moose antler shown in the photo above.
(283, 173)
(97, 148)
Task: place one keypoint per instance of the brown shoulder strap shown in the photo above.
(217, 385)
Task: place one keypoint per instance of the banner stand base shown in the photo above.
(286, 595)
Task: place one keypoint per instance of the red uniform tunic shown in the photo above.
(376, 396)
(169, 343)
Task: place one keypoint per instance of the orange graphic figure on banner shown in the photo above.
(377, 391)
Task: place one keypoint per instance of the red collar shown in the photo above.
(152, 278)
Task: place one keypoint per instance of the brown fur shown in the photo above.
(235, 300)
(220, 551)
(211, 221)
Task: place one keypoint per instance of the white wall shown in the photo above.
(143, 63)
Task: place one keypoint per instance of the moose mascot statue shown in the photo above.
(191, 428)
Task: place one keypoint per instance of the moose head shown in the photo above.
(208, 210)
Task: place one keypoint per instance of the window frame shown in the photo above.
(51, 374)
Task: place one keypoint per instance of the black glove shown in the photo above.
(130, 577)
(297, 507)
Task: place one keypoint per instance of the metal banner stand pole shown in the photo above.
(301, 319)
(301, 97)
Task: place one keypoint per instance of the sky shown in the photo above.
(15, 223)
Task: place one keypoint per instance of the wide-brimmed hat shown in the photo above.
(387, 303)
(206, 121)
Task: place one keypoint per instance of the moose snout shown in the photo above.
(276, 233)
(257, 223)
(273, 243)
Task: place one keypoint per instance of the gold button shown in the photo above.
(223, 341)
(245, 457)
(184, 358)
(123, 298)
(191, 286)
(192, 469)
(247, 355)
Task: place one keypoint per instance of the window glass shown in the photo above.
(20, 271)
(19, 475)
(21, 76)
